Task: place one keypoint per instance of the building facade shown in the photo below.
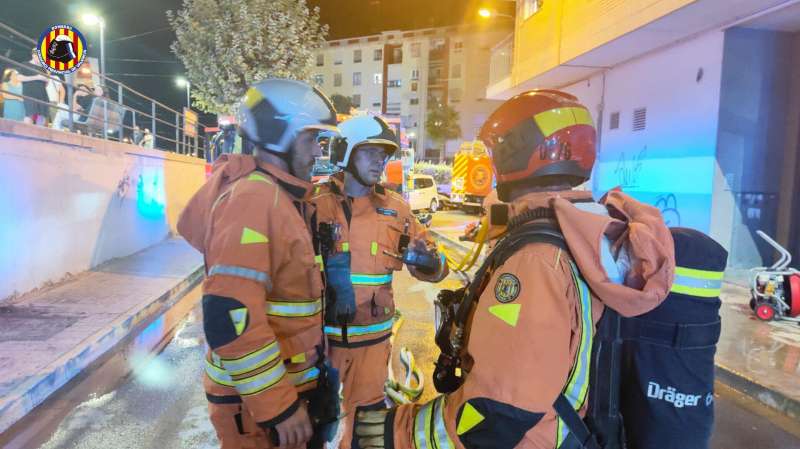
(400, 74)
(697, 104)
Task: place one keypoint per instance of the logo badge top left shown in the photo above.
(61, 49)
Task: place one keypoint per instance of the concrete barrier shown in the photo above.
(69, 202)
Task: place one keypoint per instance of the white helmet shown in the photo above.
(274, 111)
(358, 131)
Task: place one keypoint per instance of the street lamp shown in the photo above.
(183, 82)
(487, 13)
(92, 20)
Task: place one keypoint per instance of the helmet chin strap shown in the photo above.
(354, 171)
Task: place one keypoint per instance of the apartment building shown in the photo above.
(400, 74)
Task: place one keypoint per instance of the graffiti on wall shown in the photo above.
(628, 170)
(668, 205)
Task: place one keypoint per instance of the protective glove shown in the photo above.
(422, 259)
(370, 429)
(337, 271)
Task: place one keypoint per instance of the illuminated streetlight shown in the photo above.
(183, 82)
(95, 20)
(487, 13)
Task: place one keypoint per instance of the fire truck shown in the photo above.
(472, 176)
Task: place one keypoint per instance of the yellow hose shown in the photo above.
(469, 259)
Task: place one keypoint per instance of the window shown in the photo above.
(458, 46)
(423, 183)
(319, 80)
(414, 86)
(613, 122)
(415, 74)
(377, 78)
(394, 83)
(455, 71)
(356, 78)
(337, 80)
(356, 55)
(413, 101)
(320, 59)
(377, 55)
(455, 95)
(337, 58)
(530, 7)
(397, 55)
(356, 100)
(415, 50)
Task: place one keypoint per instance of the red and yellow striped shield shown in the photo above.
(62, 49)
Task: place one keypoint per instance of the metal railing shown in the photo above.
(117, 114)
(501, 60)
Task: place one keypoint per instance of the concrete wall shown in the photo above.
(670, 163)
(755, 104)
(69, 203)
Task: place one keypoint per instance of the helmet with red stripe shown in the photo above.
(540, 138)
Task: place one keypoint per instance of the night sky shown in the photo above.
(155, 75)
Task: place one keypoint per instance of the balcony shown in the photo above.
(500, 64)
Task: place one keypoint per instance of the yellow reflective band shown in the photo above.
(250, 236)
(261, 381)
(218, 375)
(250, 362)
(255, 176)
(699, 283)
(469, 419)
(252, 97)
(699, 274)
(554, 120)
(695, 291)
(299, 358)
(304, 377)
(509, 313)
(578, 382)
(294, 309)
(374, 248)
(345, 247)
(371, 279)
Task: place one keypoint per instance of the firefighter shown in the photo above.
(371, 233)
(262, 307)
(523, 333)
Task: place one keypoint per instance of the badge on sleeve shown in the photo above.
(507, 288)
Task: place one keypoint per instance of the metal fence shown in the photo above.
(116, 114)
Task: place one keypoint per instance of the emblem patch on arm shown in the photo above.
(507, 288)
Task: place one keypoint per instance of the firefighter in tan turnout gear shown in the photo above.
(368, 232)
(517, 341)
(262, 297)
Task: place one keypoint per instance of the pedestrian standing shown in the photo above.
(34, 87)
(13, 106)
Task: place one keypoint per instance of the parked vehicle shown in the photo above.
(472, 177)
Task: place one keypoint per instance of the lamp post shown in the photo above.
(183, 82)
(92, 20)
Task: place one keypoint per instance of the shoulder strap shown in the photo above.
(517, 238)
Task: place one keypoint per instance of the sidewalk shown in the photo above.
(47, 338)
(759, 359)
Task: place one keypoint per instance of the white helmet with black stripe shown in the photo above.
(274, 111)
(358, 131)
